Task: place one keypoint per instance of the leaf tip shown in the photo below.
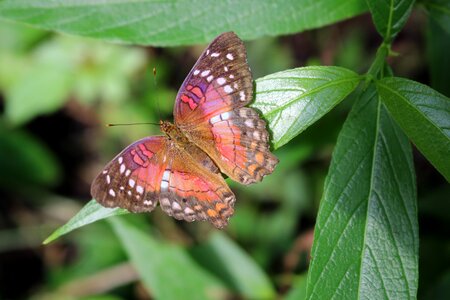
(50, 238)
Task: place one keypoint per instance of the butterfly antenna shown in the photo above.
(127, 124)
(155, 83)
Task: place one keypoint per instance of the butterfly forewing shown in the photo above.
(132, 179)
(220, 80)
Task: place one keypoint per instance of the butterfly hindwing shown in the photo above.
(210, 109)
(193, 192)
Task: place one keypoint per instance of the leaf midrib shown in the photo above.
(389, 24)
(315, 90)
(369, 196)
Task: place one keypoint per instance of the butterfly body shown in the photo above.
(174, 134)
(213, 132)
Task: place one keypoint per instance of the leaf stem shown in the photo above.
(376, 69)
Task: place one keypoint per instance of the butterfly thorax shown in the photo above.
(174, 134)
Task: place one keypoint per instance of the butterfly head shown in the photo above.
(173, 133)
(166, 127)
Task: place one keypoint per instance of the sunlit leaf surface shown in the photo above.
(170, 23)
(293, 100)
(90, 213)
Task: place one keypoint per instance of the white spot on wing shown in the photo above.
(230, 56)
(221, 80)
(148, 202)
(108, 179)
(231, 76)
(242, 96)
(226, 69)
(205, 73)
(188, 211)
(164, 185)
(112, 193)
(176, 206)
(127, 173)
(166, 175)
(225, 115)
(215, 54)
(131, 182)
(122, 168)
(207, 52)
(249, 123)
(120, 160)
(243, 112)
(256, 135)
(210, 78)
(214, 119)
(105, 171)
(227, 89)
(196, 72)
(139, 189)
(129, 193)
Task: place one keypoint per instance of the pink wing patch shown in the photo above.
(132, 179)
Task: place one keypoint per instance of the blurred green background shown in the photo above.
(56, 94)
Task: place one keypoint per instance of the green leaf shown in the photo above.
(440, 12)
(366, 236)
(390, 16)
(43, 89)
(293, 100)
(438, 41)
(25, 161)
(237, 268)
(170, 23)
(424, 115)
(90, 213)
(166, 270)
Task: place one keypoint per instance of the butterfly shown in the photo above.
(213, 132)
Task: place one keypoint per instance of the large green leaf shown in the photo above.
(164, 23)
(293, 100)
(90, 213)
(366, 235)
(424, 115)
(439, 11)
(236, 267)
(166, 270)
(390, 16)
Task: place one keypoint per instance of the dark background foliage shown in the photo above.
(57, 91)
